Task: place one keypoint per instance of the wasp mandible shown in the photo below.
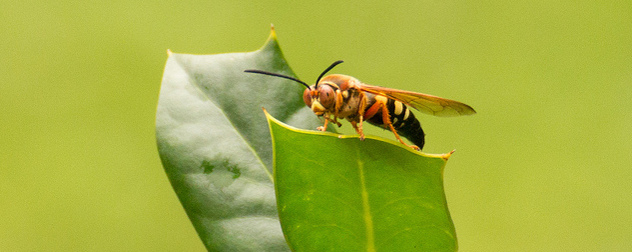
(341, 96)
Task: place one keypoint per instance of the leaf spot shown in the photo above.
(211, 165)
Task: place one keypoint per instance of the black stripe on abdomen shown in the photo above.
(403, 121)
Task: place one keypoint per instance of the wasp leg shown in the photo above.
(328, 119)
(386, 119)
(335, 120)
(358, 128)
(324, 127)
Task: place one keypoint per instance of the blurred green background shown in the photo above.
(545, 165)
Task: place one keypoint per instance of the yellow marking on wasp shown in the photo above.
(368, 218)
(406, 114)
(398, 108)
(345, 94)
(382, 99)
(317, 105)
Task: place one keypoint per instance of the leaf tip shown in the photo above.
(169, 52)
(272, 44)
(447, 155)
(272, 32)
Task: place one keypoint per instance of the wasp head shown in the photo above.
(319, 97)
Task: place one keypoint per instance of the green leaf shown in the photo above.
(337, 193)
(215, 146)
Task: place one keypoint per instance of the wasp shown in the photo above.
(338, 96)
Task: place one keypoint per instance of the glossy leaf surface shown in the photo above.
(215, 145)
(337, 193)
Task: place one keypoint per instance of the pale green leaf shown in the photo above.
(215, 146)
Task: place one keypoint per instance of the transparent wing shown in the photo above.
(425, 103)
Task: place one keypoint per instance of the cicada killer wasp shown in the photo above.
(341, 96)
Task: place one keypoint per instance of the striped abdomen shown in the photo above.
(402, 119)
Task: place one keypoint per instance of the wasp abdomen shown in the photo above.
(402, 119)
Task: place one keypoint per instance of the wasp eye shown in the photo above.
(307, 98)
(326, 96)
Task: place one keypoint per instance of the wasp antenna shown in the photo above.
(327, 70)
(278, 75)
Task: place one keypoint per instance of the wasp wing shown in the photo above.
(425, 103)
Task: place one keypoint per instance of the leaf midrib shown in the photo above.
(366, 208)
